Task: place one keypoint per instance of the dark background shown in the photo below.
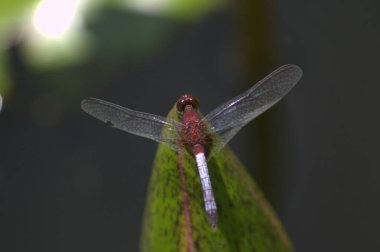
(69, 183)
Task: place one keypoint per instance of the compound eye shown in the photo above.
(185, 100)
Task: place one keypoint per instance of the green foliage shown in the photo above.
(134, 36)
(193, 9)
(246, 222)
(4, 80)
(13, 9)
(10, 12)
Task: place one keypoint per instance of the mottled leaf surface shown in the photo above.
(246, 222)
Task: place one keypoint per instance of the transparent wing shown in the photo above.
(230, 117)
(131, 121)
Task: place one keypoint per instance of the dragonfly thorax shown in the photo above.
(193, 131)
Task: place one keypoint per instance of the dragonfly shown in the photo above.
(201, 136)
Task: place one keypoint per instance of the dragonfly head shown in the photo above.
(185, 100)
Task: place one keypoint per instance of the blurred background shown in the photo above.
(70, 183)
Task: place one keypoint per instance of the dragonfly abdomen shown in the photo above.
(208, 195)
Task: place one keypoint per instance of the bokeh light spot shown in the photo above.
(53, 18)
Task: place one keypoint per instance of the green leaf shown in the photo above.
(246, 221)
